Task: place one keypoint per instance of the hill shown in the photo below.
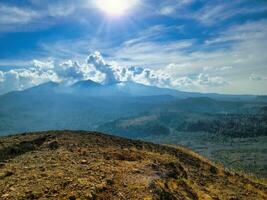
(89, 165)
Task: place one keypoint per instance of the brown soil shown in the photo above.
(88, 165)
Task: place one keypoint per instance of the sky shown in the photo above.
(191, 45)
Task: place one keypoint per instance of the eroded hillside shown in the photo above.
(86, 165)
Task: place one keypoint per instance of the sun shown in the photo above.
(114, 7)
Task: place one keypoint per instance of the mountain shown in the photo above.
(86, 84)
(137, 89)
(87, 104)
(90, 165)
(128, 88)
(120, 89)
(56, 106)
(45, 88)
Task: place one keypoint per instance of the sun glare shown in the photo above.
(114, 7)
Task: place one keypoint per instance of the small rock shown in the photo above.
(137, 171)
(83, 161)
(5, 195)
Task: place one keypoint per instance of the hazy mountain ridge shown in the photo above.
(129, 88)
(200, 114)
(87, 104)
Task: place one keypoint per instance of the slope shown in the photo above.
(89, 165)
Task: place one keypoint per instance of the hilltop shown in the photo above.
(90, 165)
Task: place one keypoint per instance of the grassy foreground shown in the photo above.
(88, 165)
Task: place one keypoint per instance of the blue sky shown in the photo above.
(192, 45)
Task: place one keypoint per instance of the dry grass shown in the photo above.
(86, 165)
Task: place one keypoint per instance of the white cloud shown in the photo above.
(175, 63)
(70, 69)
(167, 10)
(43, 64)
(212, 13)
(12, 15)
(94, 68)
(201, 82)
(217, 69)
(1, 76)
(37, 14)
(24, 78)
(184, 82)
(147, 48)
(206, 79)
(233, 53)
(172, 7)
(114, 72)
(254, 77)
(97, 61)
(60, 9)
(40, 14)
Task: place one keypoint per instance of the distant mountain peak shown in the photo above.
(45, 86)
(86, 84)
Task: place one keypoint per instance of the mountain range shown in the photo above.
(87, 104)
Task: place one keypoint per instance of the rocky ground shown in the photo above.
(88, 165)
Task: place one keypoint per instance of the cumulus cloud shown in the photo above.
(200, 82)
(24, 78)
(114, 73)
(96, 69)
(70, 69)
(206, 79)
(146, 76)
(43, 64)
(97, 61)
